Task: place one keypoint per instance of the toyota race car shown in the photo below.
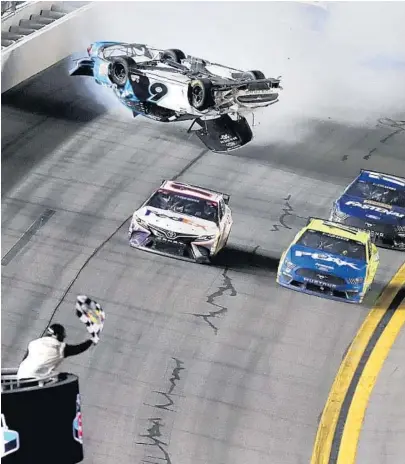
(374, 202)
(184, 220)
(329, 259)
(168, 86)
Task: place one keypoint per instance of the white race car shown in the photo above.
(168, 86)
(181, 219)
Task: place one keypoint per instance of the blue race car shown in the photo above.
(375, 202)
(329, 260)
(169, 86)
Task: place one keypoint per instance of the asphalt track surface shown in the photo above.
(383, 432)
(197, 364)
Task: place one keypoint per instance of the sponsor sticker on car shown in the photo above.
(371, 206)
(176, 219)
(319, 282)
(326, 257)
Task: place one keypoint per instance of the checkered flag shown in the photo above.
(92, 316)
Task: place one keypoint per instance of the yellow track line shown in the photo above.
(329, 419)
(355, 417)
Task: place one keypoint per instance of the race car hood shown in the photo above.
(223, 134)
(179, 223)
(372, 210)
(318, 260)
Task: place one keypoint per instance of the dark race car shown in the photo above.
(375, 202)
(168, 86)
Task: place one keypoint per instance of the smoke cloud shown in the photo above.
(339, 60)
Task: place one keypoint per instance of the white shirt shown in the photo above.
(44, 355)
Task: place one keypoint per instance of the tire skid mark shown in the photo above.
(227, 286)
(367, 157)
(399, 126)
(287, 211)
(154, 433)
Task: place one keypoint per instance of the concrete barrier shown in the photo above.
(45, 47)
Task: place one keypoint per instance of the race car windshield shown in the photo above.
(379, 193)
(185, 204)
(333, 244)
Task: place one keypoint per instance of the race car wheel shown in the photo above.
(253, 75)
(174, 54)
(119, 71)
(200, 94)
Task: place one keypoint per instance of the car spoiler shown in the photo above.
(338, 225)
(382, 174)
(226, 196)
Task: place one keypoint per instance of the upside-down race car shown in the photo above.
(375, 202)
(329, 259)
(181, 219)
(168, 86)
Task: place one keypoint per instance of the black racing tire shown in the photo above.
(174, 54)
(253, 75)
(200, 94)
(119, 70)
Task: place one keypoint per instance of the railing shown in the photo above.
(9, 380)
(9, 8)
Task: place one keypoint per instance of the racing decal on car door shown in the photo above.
(157, 92)
(145, 90)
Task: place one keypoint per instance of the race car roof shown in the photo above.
(192, 190)
(383, 179)
(340, 230)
